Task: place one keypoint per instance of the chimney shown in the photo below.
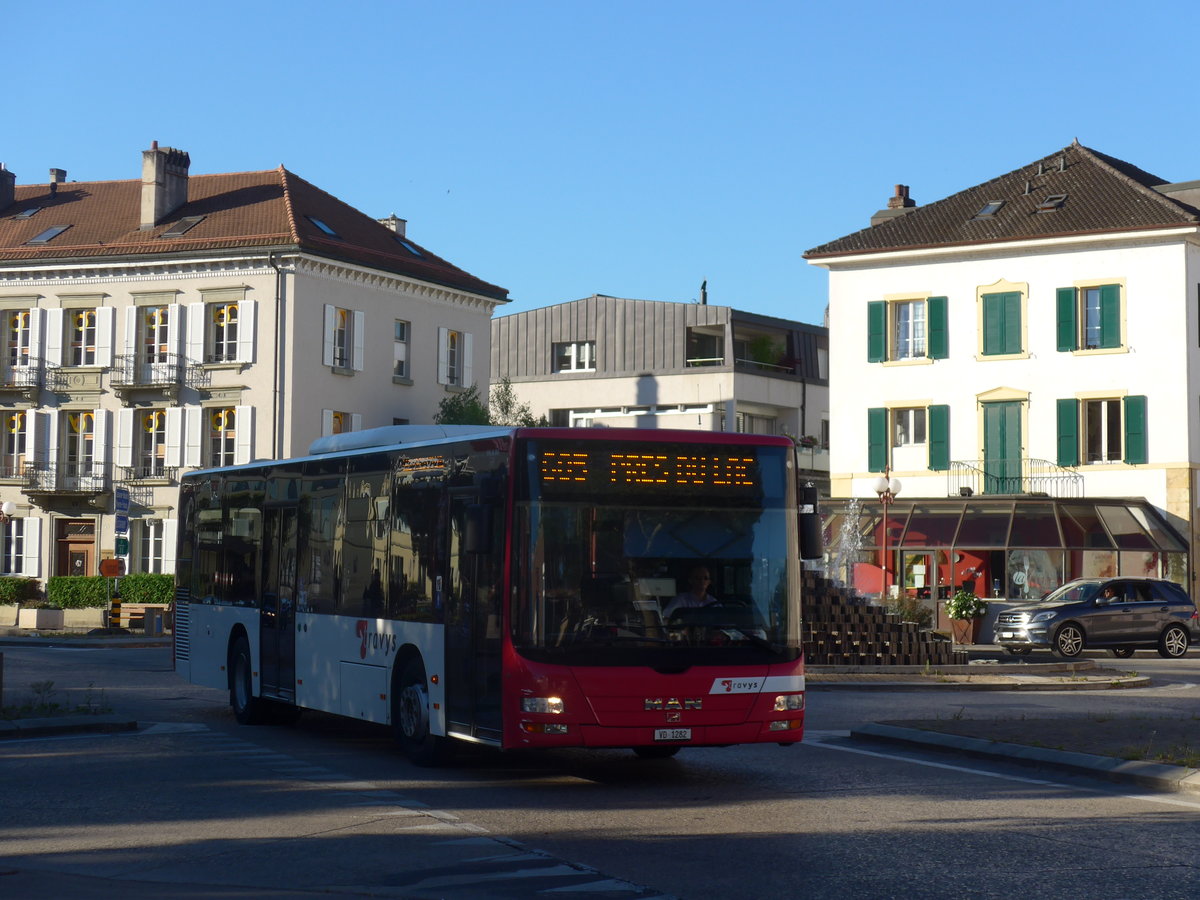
(58, 176)
(395, 223)
(8, 187)
(898, 204)
(704, 292)
(164, 183)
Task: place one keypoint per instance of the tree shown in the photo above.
(463, 408)
(506, 409)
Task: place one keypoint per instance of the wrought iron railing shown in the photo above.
(66, 478)
(171, 370)
(149, 472)
(1038, 477)
(29, 373)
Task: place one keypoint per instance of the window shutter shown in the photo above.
(326, 422)
(106, 320)
(193, 435)
(195, 332)
(243, 450)
(50, 456)
(1068, 432)
(170, 537)
(356, 422)
(876, 331)
(939, 437)
(100, 442)
(54, 336)
(358, 332)
(36, 317)
(877, 444)
(468, 351)
(1012, 323)
(992, 324)
(174, 328)
(32, 563)
(1135, 429)
(939, 327)
(35, 437)
(443, 372)
(247, 329)
(1067, 326)
(131, 314)
(125, 437)
(174, 454)
(330, 326)
(1110, 315)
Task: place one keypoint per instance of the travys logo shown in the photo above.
(736, 686)
(373, 640)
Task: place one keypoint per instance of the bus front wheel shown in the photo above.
(247, 708)
(410, 717)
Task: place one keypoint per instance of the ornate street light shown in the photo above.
(7, 508)
(887, 488)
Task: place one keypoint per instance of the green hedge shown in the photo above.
(15, 589)
(77, 591)
(147, 587)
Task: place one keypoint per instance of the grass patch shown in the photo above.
(43, 704)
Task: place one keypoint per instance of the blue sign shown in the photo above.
(122, 524)
(121, 499)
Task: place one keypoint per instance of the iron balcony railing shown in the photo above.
(30, 372)
(1037, 477)
(149, 472)
(66, 478)
(171, 370)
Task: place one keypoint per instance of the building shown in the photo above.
(613, 362)
(178, 320)
(1022, 356)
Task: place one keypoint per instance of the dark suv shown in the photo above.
(1120, 614)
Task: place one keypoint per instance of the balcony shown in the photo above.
(1000, 477)
(166, 375)
(24, 379)
(149, 473)
(68, 479)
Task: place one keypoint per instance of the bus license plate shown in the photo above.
(672, 734)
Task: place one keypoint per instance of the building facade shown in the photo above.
(1024, 350)
(180, 321)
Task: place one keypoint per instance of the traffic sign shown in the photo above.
(112, 568)
(122, 524)
(121, 500)
(122, 546)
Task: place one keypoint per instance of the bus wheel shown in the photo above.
(652, 752)
(410, 718)
(247, 708)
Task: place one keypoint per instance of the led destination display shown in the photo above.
(615, 468)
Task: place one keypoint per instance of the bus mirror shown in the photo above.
(477, 536)
(811, 541)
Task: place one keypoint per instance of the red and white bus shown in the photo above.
(507, 587)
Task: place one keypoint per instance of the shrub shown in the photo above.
(910, 609)
(14, 590)
(147, 587)
(77, 591)
(965, 605)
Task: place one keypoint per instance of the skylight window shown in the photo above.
(1051, 203)
(29, 213)
(325, 228)
(989, 209)
(409, 247)
(48, 235)
(183, 226)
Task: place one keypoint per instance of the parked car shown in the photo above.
(1119, 614)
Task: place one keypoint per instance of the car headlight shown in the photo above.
(1042, 617)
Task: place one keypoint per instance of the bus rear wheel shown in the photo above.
(247, 709)
(410, 718)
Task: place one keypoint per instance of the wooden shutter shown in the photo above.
(243, 438)
(106, 318)
(1068, 432)
(32, 563)
(1012, 323)
(939, 437)
(443, 360)
(125, 425)
(877, 439)
(170, 538)
(358, 333)
(1110, 315)
(876, 331)
(247, 330)
(939, 333)
(1066, 320)
(196, 329)
(1135, 429)
(330, 325)
(993, 324)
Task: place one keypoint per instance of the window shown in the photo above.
(324, 228)
(153, 327)
(575, 356)
(1089, 318)
(222, 436)
(1102, 430)
(18, 338)
(400, 349)
(183, 226)
(13, 463)
(336, 422)
(80, 444)
(705, 348)
(748, 423)
(897, 432)
(48, 235)
(12, 562)
(908, 427)
(151, 437)
(222, 332)
(344, 332)
(151, 546)
(989, 209)
(909, 328)
(81, 339)
(1051, 203)
(454, 358)
(1002, 324)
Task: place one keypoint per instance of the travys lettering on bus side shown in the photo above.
(373, 640)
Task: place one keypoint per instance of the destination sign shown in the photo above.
(612, 468)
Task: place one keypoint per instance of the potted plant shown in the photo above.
(966, 612)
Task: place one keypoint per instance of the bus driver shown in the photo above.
(695, 596)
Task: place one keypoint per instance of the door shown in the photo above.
(75, 544)
(1002, 448)
(277, 616)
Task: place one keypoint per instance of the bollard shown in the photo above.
(114, 613)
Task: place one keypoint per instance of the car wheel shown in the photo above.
(1068, 640)
(1121, 652)
(247, 709)
(652, 752)
(410, 718)
(1173, 642)
(1019, 651)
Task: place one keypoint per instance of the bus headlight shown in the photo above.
(786, 702)
(542, 705)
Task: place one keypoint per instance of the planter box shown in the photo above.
(41, 619)
(83, 618)
(8, 615)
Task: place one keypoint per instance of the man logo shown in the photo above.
(656, 703)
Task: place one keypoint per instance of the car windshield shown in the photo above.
(1073, 592)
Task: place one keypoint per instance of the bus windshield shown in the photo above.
(654, 573)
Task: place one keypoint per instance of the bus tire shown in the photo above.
(247, 709)
(410, 717)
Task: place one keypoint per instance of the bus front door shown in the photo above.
(473, 622)
(278, 611)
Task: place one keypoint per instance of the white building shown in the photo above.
(178, 321)
(1029, 348)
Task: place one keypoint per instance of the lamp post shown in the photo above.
(7, 508)
(887, 488)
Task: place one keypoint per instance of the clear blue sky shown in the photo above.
(561, 149)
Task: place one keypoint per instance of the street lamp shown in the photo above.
(887, 488)
(7, 508)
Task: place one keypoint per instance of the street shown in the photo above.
(194, 805)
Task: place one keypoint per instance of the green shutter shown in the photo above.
(1068, 432)
(1068, 326)
(876, 331)
(1012, 323)
(939, 335)
(939, 438)
(877, 439)
(993, 324)
(1135, 429)
(1110, 315)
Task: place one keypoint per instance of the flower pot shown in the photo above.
(41, 619)
(966, 631)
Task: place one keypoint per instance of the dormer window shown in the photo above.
(325, 228)
(183, 226)
(48, 235)
(1051, 203)
(989, 209)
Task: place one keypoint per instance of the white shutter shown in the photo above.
(175, 328)
(243, 449)
(125, 437)
(330, 325)
(326, 422)
(174, 456)
(51, 455)
(355, 422)
(467, 369)
(54, 336)
(100, 430)
(106, 320)
(247, 329)
(31, 565)
(193, 435)
(35, 437)
(357, 333)
(131, 314)
(443, 356)
(170, 532)
(195, 332)
(35, 333)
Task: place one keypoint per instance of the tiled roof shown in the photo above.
(241, 210)
(1103, 194)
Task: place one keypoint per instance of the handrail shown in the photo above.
(1025, 475)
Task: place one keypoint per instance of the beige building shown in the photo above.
(180, 321)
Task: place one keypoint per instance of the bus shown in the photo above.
(508, 587)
